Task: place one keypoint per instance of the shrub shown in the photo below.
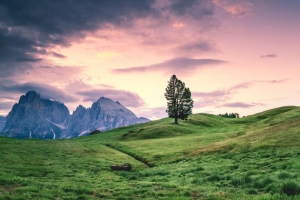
(267, 181)
(251, 191)
(284, 175)
(237, 181)
(291, 188)
(161, 173)
(272, 188)
(214, 177)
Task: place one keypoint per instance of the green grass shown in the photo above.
(205, 157)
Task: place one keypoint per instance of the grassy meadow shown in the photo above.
(205, 157)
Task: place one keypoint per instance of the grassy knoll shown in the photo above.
(205, 157)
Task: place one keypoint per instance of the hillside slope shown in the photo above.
(205, 157)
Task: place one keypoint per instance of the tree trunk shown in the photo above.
(176, 120)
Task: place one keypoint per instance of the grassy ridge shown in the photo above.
(205, 157)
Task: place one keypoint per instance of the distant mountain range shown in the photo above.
(35, 117)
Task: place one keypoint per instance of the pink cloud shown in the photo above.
(239, 8)
(242, 105)
(218, 97)
(126, 98)
(269, 56)
(178, 65)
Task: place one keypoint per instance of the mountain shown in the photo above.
(34, 117)
(103, 115)
(2, 122)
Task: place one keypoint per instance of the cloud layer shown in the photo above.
(242, 105)
(221, 98)
(176, 65)
(128, 99)
(269, 56)
(29, 28)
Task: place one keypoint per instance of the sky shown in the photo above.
(238, 56)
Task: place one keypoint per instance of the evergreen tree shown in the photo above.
(179, 99)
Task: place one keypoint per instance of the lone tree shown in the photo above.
(179, 99)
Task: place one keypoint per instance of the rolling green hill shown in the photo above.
(205, 157)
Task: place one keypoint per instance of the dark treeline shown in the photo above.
(230, 115)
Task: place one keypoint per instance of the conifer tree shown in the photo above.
(179, 99)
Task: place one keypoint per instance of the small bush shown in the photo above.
(196, 181)
(214, 177)
(272, 188)
(134, 177)
(291, 188)
(284, 175)
(258, 184)
(234, 167)
(248, 178)
(251, 191)
(199, 169)
(84, 191)
(237, 181)
(267, 181)
(161, 173)
(82, 197)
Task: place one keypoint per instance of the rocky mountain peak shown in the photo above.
(35, 117)
(30, 97)
(80, 108)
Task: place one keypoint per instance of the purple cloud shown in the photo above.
(214, 94)
(58, 55)
(196, 47)
(6, 106)
(236, 7)
(151, 113)
(26, 35)
(126, 98)
(217, 97)
(269, 56)
(242, 105)
(46, 91)
(178, 65)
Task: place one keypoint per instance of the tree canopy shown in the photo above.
(179, 99)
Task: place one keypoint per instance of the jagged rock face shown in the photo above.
(103, 115)
(34, 117)
(2, 122)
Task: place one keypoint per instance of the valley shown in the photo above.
(205, 157)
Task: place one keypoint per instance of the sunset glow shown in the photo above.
(235, 56)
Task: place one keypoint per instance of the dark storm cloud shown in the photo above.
(46, 91)
(242, 105)
(195, 8)
(58, 18)
(178, 65)
(28, 27)
(269, 56)
(126, 98)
